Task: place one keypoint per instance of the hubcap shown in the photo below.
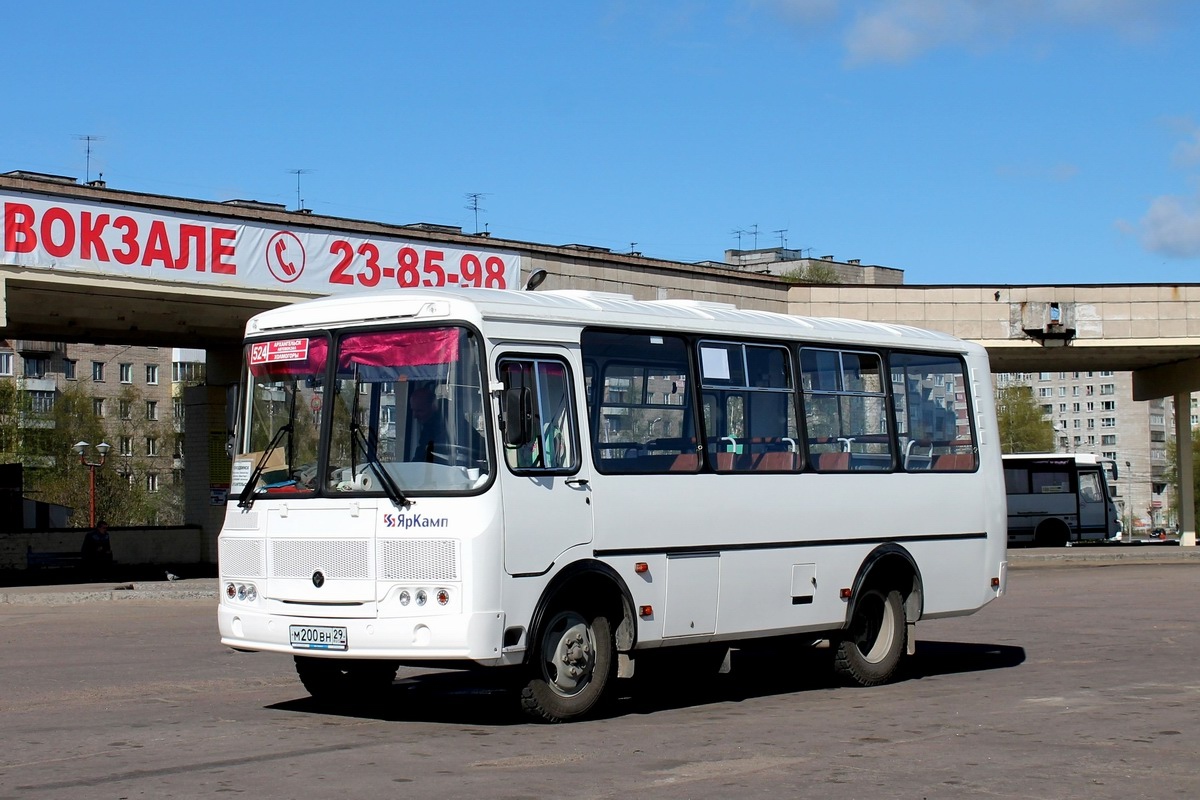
(569, 653)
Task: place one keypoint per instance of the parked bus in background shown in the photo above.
(1058, 498)
(567, 482)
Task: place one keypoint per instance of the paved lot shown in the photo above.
(1080, 684)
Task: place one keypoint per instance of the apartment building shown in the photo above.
(135, 392)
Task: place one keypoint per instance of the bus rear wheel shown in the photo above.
(1052, 533)
(337, 680)
(870, 651)
(572, 668)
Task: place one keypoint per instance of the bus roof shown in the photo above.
(577, 307)
(1078, 458)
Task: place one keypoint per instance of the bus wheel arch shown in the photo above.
(583, 620)
(885, 602)
(1052, 532)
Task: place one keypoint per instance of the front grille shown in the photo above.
(241, 557)
(418, 560)
(337, 558)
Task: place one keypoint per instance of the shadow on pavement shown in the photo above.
(489, 697)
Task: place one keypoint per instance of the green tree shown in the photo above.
(41, 440)
(1022, 424)
(1171, 474)
(813, 273)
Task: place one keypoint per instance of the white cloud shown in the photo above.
(897, 31)
(1171, 227)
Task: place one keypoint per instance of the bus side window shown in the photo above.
(551, 444)
(933, 418)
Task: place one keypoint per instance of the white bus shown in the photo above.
(608, 478)
(1056, 498)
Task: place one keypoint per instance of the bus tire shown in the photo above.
(573, 666)
(1052, 533)
(870, 650)
(345, 681)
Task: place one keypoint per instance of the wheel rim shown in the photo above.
(875, 629)
(569, 653)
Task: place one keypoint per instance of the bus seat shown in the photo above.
(724, 462)
(777, 461)
(954, 462)
(833, 462)
(685, 462)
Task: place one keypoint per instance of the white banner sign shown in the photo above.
(53, 233)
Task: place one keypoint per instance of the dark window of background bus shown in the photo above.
(553, 446)
(640, 411)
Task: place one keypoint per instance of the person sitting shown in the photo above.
(428, 434)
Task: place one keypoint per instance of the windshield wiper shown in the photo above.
(246, 498)
(389, 486)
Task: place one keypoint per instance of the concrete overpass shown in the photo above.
(94, 264)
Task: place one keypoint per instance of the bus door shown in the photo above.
(544, 481)
(1093, 502)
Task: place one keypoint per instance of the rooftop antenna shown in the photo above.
(738, 232)
(473, 206)
(754, 230)
(298, 173)
(88, 138)
(782, 238)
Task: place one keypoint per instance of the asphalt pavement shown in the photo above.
(198, 588)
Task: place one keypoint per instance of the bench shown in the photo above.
(52, 560)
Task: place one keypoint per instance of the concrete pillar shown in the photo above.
(206, 433)
(1186, 490)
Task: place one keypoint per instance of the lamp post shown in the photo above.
(80, 449)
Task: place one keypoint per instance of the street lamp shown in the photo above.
(80, 449)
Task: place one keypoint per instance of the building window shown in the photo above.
(1075, 407)
(151, 410)
(36, 366)
(69, 368)
(1108, 388)
(124, 409)
(42, 402)
(98, 406)
(177, 408)
(151, 446)
(152, 482)
(187, 372)
(1108, 405)
(179, 446)
(152, 374)
(126, 445)
(1108, 422)
(1091, 424)
(98, 371)
(127, 373)
(6, 363)
(1108, 440)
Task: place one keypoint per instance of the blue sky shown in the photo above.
(963, 141)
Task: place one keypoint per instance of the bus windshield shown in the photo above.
(402, 413)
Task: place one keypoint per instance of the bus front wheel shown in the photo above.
(572, 666)
(869, 653)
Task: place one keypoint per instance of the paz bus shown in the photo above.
(610, 479)
(1056, 498)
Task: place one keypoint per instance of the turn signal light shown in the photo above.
(845, 593)
(646, 611)
(995, 583)
(641, 567)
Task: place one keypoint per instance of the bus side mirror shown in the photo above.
(518, 416)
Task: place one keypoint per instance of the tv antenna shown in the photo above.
(738, 232)
(87, 139)
(754, 230)
(298, 173)
(473, 206)
(782, 238)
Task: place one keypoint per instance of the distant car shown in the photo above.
(1158, 533)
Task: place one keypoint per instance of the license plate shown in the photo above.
(316, 637)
